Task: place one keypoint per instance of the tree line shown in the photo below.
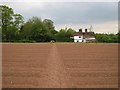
(108, 38)
(15, 29)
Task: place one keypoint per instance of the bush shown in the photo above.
(19, 41)
(25, 41)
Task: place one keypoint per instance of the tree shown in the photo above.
(11, 23)
(49, 24)
(50, 28)
(70, 32)
(107, 38)
(25, 31)
(18, 20)
(6, 18)
(11, 33)
(64, 35)
(118, 34)
(38, 30)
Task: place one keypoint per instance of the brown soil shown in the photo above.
(60, 65)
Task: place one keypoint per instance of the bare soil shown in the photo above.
(59, 65)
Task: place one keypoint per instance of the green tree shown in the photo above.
(70, 32)
(18, 20)
(11, 33)
(49, 24)
(11, 23)
(6, 18)
(38, 30)
(25, 31)
(64, 35)
(107, 38)
(118, 35)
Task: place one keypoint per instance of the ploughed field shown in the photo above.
(60, 65)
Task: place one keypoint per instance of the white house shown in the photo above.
(84, 36)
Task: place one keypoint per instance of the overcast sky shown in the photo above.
(103, 16)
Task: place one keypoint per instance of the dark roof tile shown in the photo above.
(86, 34)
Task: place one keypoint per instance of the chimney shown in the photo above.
(80, 30)
(86, 30)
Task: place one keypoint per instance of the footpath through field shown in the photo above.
(57, 76)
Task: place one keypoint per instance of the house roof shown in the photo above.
(85, 34)
(78, 33)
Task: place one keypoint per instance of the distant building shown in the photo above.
(84, 36)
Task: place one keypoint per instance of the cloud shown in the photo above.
(106, 27)
(61, 0)
(74, 14)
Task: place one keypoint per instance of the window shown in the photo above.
(79, 36)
